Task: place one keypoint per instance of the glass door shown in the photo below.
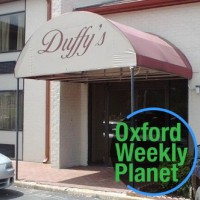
(119, 107)
(110, 103)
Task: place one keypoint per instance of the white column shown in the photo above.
(55, 124)
(70, 125)
(55, 106)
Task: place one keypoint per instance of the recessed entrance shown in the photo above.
(110, 102)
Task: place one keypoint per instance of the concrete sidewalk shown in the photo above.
(91, 181)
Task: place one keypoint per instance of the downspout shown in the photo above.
(47, 134)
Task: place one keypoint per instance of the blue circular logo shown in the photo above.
(195, 151)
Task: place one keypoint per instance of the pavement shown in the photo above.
(91, 181)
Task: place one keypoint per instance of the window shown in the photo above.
(12, 32)
(8, 110)
(7, 67)
(8, 150)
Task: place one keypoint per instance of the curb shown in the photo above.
(79, 192)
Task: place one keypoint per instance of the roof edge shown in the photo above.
(7, 1)
(133, 6)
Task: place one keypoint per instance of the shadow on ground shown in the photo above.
(6, 194)
(100, 177)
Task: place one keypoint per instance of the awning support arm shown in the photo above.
(132, 89)
(17, 128)
(132, 107)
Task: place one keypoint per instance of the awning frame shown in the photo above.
(110, 45)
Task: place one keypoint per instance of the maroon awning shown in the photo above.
(156, 53)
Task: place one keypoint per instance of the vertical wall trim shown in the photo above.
(47, 136)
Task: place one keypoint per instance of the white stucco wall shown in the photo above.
(34, 92)
(12, 56)
(8, 82)
(70, 122)
(67, 6)
(55, 103)
(36, 15)
(69, 131)
(55, 123)
(34, 120)
(12, 7)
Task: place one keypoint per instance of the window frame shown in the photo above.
(21, 92)
(13, 13)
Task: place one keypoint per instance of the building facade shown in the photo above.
(18, 22)
(64, 121)
(12, 39)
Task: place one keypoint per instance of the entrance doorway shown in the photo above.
(110, 103)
